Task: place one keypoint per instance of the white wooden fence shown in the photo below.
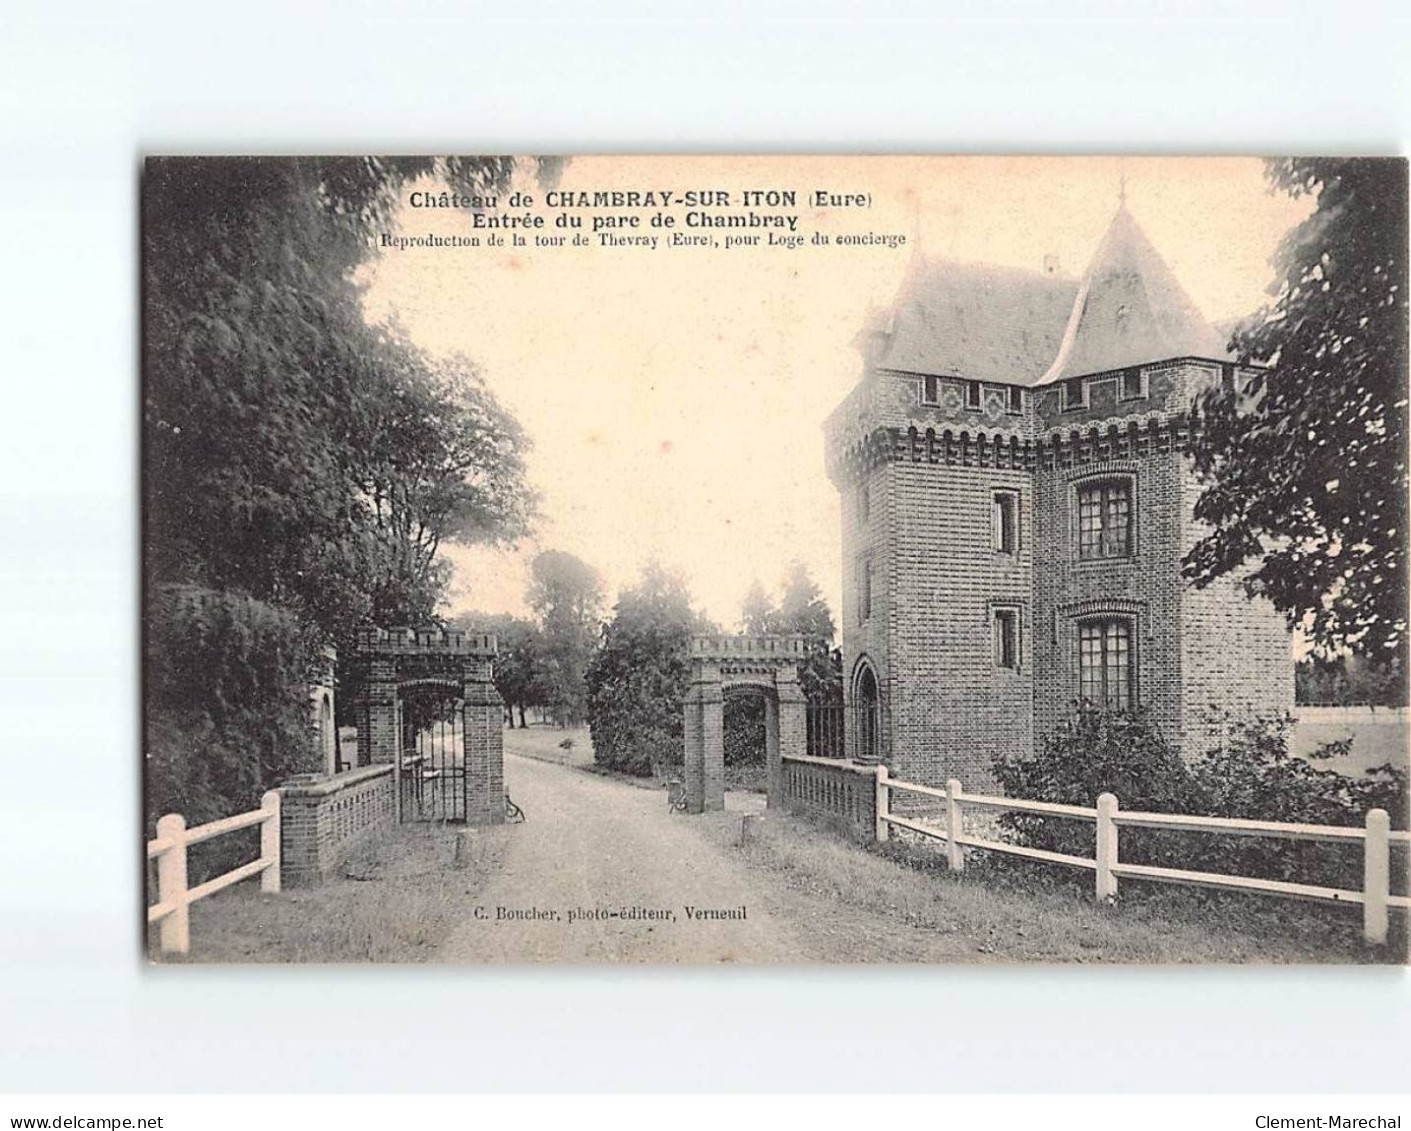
(174, 898)
(1376, 837)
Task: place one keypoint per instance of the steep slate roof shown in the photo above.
(977, 322)
(985, 323)
(1130, 309)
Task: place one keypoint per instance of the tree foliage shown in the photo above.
(1305, 466)
(567, 595)
(291, 451)
(227, 688)
(637, 679)
(758, 617)
(802, 611)
(300, 466)
(519, 662)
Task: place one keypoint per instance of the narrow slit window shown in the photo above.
(972, 394)
(1075, 393)
(1133, 384)
(1016, 401)
(1005, 530)
(1007, 638)
(930, 390)
(864, 590)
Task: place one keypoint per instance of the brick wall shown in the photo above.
(323, 818)
(1145, 587)
(483, 721)
(956, 710)
(861, 538)
(1236, 653)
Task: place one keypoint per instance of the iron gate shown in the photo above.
(856, 730)
(432, 783)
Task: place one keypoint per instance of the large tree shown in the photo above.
(276, 418)
(756, 613)
(300, 466)
(638, 677)
(802, 610)
(1305, 464)
(567, 594)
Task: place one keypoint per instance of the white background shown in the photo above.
(85, 91)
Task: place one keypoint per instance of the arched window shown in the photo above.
(867, 712)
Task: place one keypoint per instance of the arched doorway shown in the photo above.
(867, 712)
(765, 665)
(751, 727)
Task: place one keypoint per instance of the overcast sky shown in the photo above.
(675, 397)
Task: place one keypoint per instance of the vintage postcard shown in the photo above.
(847, 559)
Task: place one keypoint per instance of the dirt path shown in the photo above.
(611, 858)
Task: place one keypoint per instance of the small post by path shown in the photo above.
(1106, 848)
(1376, 876)
(883, 830)
(955, 826)
(269, 841)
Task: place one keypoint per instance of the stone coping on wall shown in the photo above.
(867, 769)
(839, 795)
(324, 785)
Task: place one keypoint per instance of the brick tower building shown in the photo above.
(1016, 501)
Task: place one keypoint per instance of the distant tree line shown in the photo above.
(1348, 680)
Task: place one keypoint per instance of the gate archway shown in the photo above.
(767, 664)
(427, 704)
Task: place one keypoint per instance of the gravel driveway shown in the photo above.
(601, 872)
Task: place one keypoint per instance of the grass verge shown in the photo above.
(1008, 910)
(395, 900)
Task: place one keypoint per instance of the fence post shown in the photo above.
(1376, 876)
(269, 841)
(171, 885)
(955, 826)
(883, 830)
(1106, 853)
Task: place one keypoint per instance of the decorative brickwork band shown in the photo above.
(1058, 448)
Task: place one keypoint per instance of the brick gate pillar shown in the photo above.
(483, 730)
(705, 743)
(376, 711)
(791, 731)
